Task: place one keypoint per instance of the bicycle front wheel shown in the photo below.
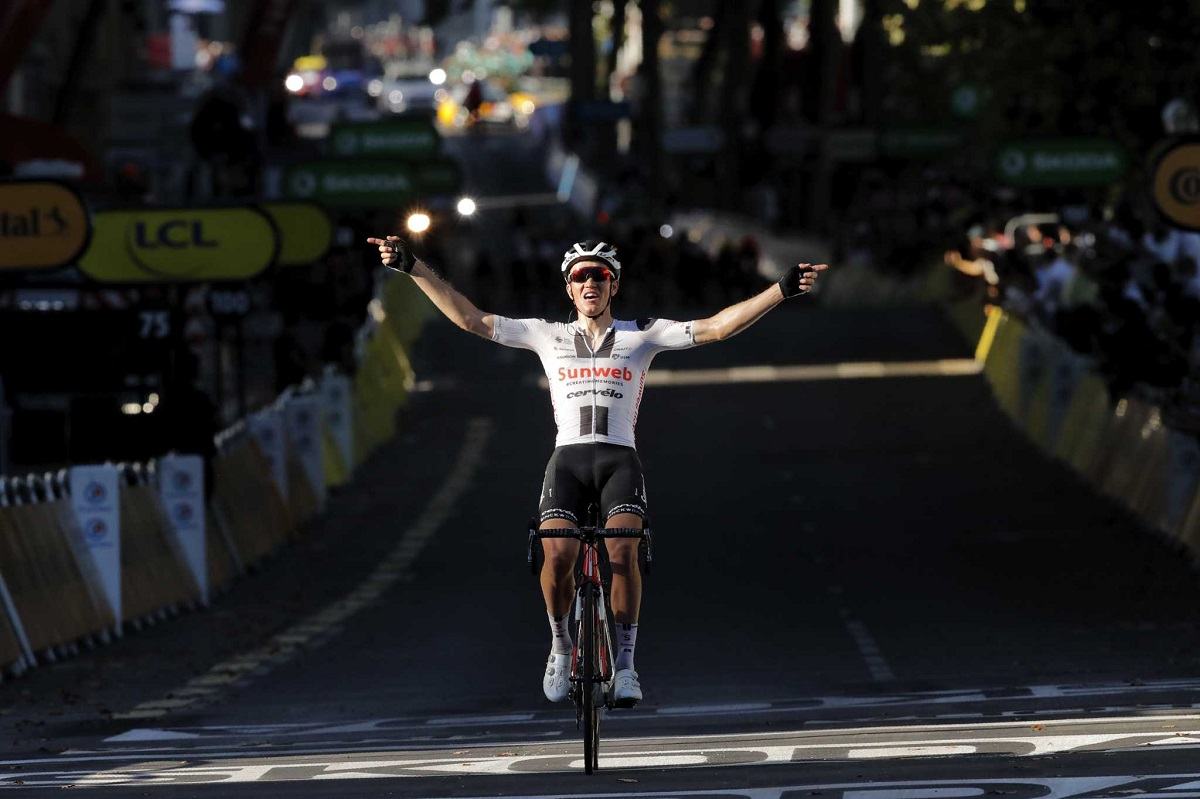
(591, 673)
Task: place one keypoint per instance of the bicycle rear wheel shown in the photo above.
(591, 714)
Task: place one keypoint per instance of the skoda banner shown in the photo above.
(303, 418)
(393, 138)
(43, 225)
(96, 502)
(267, 428)
(181, 245)
(371, 184)
(181, 489)
(305, 232)
(1176, 187)
(1062, 162)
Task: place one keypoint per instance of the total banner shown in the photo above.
(267, 427)
(303, 417)
(96, 503)
(181, 490)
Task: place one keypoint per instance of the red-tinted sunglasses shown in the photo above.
(600, 274)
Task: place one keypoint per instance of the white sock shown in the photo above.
(560, 636)
(626, 641)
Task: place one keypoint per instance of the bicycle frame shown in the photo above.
(592, 652)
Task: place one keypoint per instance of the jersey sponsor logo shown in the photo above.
(612, 372)
(608, 392)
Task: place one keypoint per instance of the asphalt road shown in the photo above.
(871, 583)
(867, 587)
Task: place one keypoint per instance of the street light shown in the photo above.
(466, 206)
(418, 222)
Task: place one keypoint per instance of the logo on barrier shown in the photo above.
(181, 480)
(304, 443)
(302, 417)
(95, 493)
(1176, 187)
(95, 529)
(267, 435)
(335, 418)
(184, 512)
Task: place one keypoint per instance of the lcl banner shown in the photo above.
(96, 502)
(180, 245)
(43, 225)
(302, 416)
(305, 232)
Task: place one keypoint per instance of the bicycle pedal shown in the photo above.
(623, 704)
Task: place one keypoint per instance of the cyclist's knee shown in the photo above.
(560, 553)
(623, 555)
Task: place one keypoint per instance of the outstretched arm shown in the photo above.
(395, 254)
(730, 321)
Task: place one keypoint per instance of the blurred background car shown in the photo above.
(404, 88)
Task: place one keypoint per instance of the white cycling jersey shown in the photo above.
(595, 394)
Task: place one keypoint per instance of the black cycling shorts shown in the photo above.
(580, 474)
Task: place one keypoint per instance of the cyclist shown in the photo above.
(596, 367)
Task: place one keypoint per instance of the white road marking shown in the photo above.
(879, 668)
(913, 793)
(766, 373)
(392, 569)
(188, 766)
(714, 710)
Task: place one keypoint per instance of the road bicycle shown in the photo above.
(592, 653)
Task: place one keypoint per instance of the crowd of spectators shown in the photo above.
(1121, 288)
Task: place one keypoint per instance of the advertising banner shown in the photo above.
(305, 232)
(180, 245)
(371, 184)
(338, 406)
(1061, 162)
(267, 428)
(96, 502)
(1176, 188)
(181, 489)
(390, 138)
(43, 225)
(303, 417)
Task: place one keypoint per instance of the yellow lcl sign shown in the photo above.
(43, 225)
(180, 245)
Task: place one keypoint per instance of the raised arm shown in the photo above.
(395, 254)
(734, 319)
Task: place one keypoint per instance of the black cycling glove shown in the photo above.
(404, 257)
(790, 282)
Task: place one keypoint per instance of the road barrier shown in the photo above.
(1121, 446)
(94, 550)
(54, 599)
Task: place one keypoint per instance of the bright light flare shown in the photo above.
(293, 83)
(329, 84)
(437, 77)
(666, 231)
(466, 206)
(418, 222)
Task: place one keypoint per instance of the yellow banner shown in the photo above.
(43, 225)
(1177, 184)
(180, 245)
(305, 232)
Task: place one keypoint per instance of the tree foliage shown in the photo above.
(1043, 66)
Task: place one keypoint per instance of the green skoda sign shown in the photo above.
(370, 184)
(1060, 162)
(398, 138)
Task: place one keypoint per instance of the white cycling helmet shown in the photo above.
(591, 250)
